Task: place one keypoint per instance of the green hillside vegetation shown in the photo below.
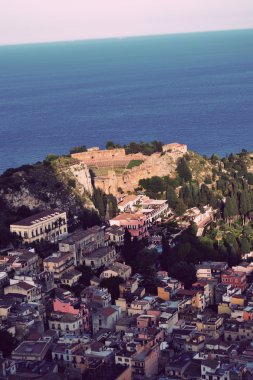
(134, 163)
(138, 147)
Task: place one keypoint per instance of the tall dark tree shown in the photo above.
(99, 201)
(127, 251)
(7, 343)
(112, 284)
(171, 196)
(184, 272)
(183, 170)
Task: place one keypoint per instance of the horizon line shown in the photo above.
(122, 37)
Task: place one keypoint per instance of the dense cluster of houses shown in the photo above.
(176, 334)
(205, 332)
(138, 213)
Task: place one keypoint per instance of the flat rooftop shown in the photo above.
(57, 257)
(128, 216)
(80, 234)
(31, 347)
(38, 218)
(100, 252)
(127, 199)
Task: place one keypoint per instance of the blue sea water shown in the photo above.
(191, 88)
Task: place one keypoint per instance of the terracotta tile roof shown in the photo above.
(107, 311)
(24, 285)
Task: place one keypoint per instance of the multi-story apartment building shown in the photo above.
(128, 203)
(24, 262)
(137, 224)
(99, 296)
(47, 225)
(210, 269)
(66, 323)
(117, 270)
(211, 326)
(74, 307)
(101, 256)
(116, 235)
(153, 209)
(71, 277)
(59, 263)
(145, 361)
(105, 317)
(236, 279)
(30, 292)
(82, 242)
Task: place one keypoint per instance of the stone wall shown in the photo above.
(93, 156)
(155, 165)
(106, 158)
(158, 164)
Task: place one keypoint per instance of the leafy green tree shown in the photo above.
(244, 246)
(72, 183)
(184, 272)
(89, 218)
(23, 212)
(250, 178)
(110, 145)
(215, 159)
(78, 149)
(154, 184)
(86, 275)
(193, 229)
(51, 157)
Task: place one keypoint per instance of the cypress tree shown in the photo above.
(183, 170)
(171, 196)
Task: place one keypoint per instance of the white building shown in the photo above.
(117, 270)
(47, 225)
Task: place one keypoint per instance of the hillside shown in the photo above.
(62, 182)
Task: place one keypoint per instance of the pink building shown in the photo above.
(248, 313)
(137, 224)
(71, 306)
(236, 279)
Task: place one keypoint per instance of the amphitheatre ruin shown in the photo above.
(114, 171)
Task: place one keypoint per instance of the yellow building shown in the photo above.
(163, 292)
(211, 326)
(224, 308)
(30, 292)
(47, 225)
(238, 299)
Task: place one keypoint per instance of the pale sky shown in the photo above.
(25, 21)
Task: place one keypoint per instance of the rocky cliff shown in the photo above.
(63, 183)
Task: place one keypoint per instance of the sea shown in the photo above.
(192, 88)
